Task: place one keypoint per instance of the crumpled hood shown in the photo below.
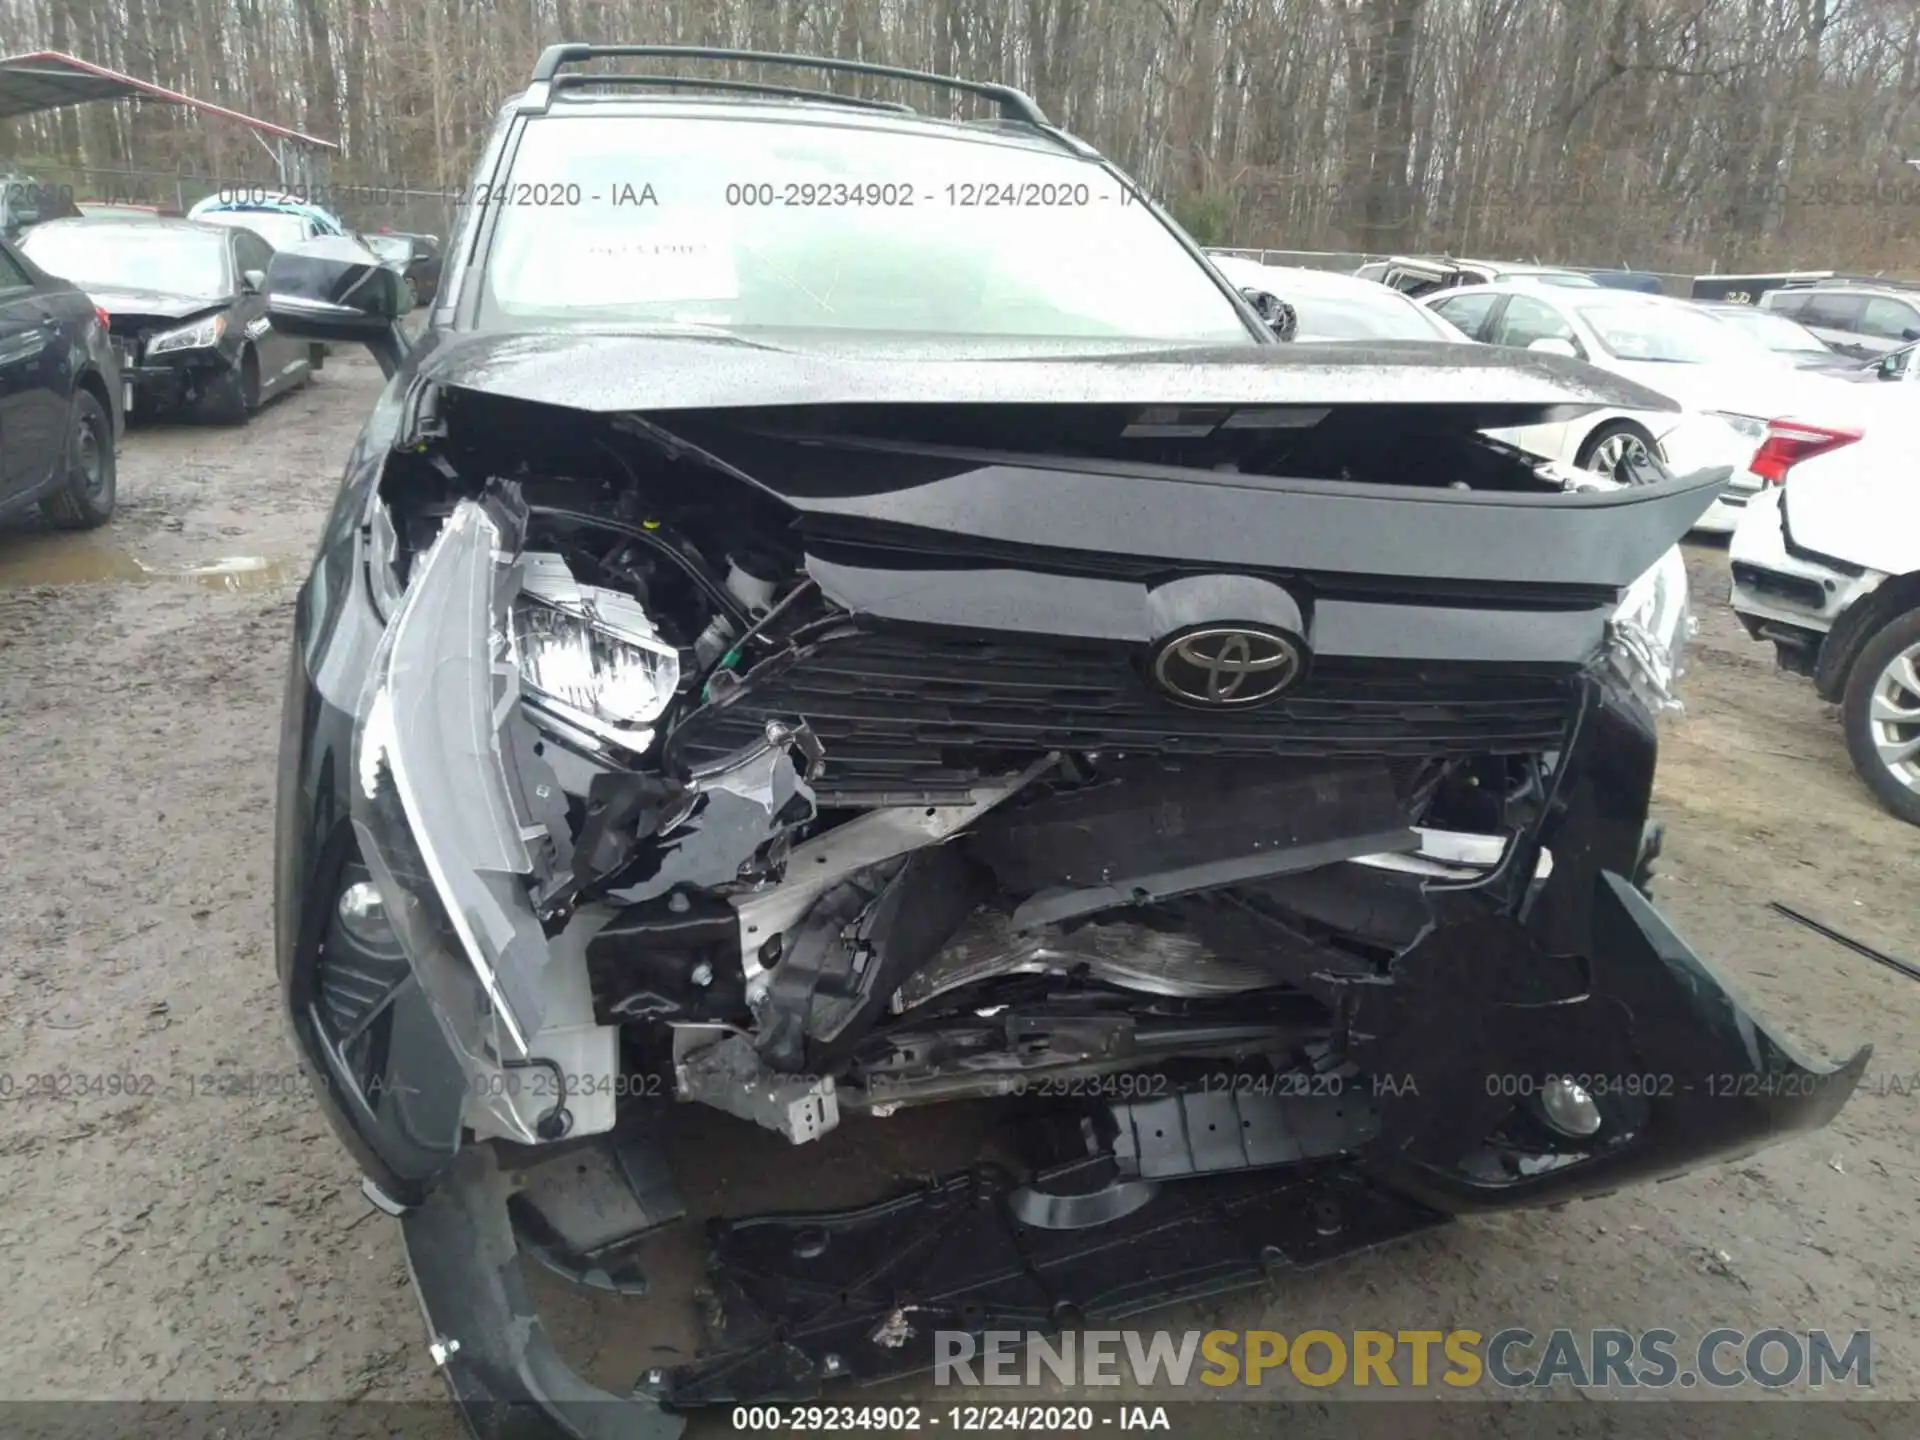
(1466, 387)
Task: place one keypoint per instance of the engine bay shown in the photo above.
(793, 929)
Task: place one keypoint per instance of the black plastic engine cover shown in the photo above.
(1154, 817)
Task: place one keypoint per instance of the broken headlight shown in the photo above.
(1648, 633)
(440, 795)
(590, 657)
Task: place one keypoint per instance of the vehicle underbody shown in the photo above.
(907, 808)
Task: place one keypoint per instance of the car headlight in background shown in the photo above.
(198, 336)
(589, 657)
(1647, 636)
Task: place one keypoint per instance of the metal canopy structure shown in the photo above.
(48, 80)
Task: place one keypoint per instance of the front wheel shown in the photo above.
(85, 497)
(1881, 712)
(235, 395)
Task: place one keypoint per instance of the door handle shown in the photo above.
(49, 322)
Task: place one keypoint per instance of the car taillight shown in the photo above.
(106, 320)
(1789, 442)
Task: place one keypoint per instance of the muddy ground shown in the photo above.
(172, 1245)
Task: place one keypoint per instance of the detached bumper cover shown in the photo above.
(806, 1303)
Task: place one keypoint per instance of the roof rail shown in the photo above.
(1014, 104)
(694, 82)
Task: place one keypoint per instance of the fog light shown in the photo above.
(363, 914)
(1568, 1108)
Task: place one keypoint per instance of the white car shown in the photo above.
(1826, 565)
(1729, 384)
(1336, 307)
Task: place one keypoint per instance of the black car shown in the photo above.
(61, 398)
(844, 612)
(187, 307)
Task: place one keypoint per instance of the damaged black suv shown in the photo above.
(843, 612)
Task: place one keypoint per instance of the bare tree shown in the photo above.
(1656, 133)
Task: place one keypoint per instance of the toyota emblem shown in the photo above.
(1226, 665)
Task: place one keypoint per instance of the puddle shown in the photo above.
(58, 560)
(236, 572)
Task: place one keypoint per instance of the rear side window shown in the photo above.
(1468, 312)
(1833, 310)
(1527, 320)
(1791, 303)
(1889, 319)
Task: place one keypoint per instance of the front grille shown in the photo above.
(909, 711)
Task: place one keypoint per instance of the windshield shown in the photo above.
(132, 257)
(826, 226)
(1776, 332)
(276, 227)
(1667, 333)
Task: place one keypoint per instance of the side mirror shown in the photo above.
(253, 281)
(1554, 345)
(334, 288)
(1912, 332)
(1271, 308)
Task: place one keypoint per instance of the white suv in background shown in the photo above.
(1826, 565)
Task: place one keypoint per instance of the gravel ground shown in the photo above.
(168, 1244)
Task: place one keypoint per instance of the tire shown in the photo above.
(86, 494)
(1615, 435)
(234, 397)
(1885, 681)
(316, 356)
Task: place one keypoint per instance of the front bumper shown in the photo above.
(167, 386)
(812, 1299)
